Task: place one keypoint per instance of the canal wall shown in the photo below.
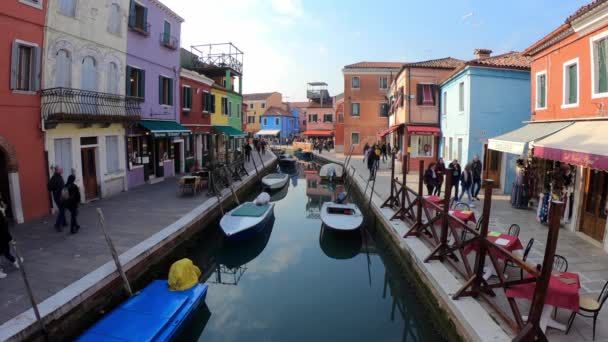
(458, 320)
(83, 302)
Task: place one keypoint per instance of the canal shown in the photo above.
(297, 281)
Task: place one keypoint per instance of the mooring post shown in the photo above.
(449, 179)
(232, 189)
(261, 160)
(123, 275)
(403, 183)
(390, 201)
(480, 259)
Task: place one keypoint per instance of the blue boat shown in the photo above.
(155, 314)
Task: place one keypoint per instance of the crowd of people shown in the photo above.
(372, 154)
(464, 181)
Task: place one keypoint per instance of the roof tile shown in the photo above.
(256, 96)
(377, 65)
(441, 63)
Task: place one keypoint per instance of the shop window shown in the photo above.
(422, 145)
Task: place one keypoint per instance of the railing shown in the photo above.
(169, 41)
(141, 28)
(67, 104)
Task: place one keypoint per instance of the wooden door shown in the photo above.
(89, 173)
(492, 165)
(593, 218)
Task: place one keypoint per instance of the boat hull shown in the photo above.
(275, 183)
(239, 228)
(340, 221)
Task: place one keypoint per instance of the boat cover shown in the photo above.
(183, 275)
(250, 210)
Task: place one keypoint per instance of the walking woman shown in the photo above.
(466, 179)
(440, 171)
(456, 171)
(430, 179)
(5, 238)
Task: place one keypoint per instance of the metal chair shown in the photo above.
(479, 223)
(462, 206)
(509, 263)
(189, 183)
(591, 306)
(560, 263)
(514, 230)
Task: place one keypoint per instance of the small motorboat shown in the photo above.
(275, 181)
(331, 172)
(155, 314)
(248, 218)
(287, 160)
(341, 216)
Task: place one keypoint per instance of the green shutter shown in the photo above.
(35, 74)
(145, 20)
(160, 90)
(132, 14)
(128, 82)
(213, 103)
(541, 91)
(572, 84)
(602, 48)
(14, 65)
(141, 87)
(171, 90)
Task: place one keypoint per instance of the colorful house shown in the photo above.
(298, 110)
(485, 97)
(257, 104)
(22, 166)
(320, 112)
(197, 106)
(277, 123)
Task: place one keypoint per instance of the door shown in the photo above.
(593, 219)
(89, 173)
(5, 193)
(492, 165)
(177, 161)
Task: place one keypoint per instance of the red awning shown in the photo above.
(389, 130)
(424, 130)
(319, 133)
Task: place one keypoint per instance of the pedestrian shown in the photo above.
(320, 146)
(466, 179)
(256, 144)
(365, 149)
(430, 179)
(247, 149)
(371, 163)
(440, 171)
(72, 202)
(456, 171)
(384, 153)
(378, 153)
(476, 168)
(389, 150)
(5, 238)
(263, 143)
(55, 187)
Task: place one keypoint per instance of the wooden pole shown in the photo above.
(217, 192)
(254, 165)
(261, 160)
(420, 193)
(232, 189)
(30, 293)
(480, 259)
(125, 280)
(446, 207)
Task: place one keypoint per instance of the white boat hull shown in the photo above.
(240, 227)
(272, 181)
(341, 221)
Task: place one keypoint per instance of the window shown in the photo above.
(312, 118)
(445, 148)
(63, 69)
(165, 91)
(461, 96)
(186, 98)
(33, 3)
(425, 94)
(224, 105)
(354, 82)
(166, 33)
(265, 121)
(88, 79)
(63, 155)
(422, 145)
(328, 117)
(600, 65)
(208, 102)
(67, 7)
(384, 109)
(138, 17)
(136, 82)
(383, 82)
(113, 78)
(276, 122)
(115, 24)
(444, 103)
(229, 108)
(112, 160)
(451, 149)
(571, 83)
(238, 110)
(251, 106)
(355, 109)
(263, 105)
(251, 119)
(25, 66)
(260, 119)
(460, 150)
(541, 90)
(354, 138)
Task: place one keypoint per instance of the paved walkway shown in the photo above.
(54, 260)
(584, 258)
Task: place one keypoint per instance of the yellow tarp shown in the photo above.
(183, 275)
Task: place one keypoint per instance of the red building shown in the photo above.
(197, 106)
(339, 107)
(23, 174)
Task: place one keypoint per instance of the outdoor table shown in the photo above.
(434, 199)
(508, 242)
(562, 293)
(198, 183)
(464, 215)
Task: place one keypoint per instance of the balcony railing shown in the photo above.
(139, 27)
(169, 41)
(76, 105)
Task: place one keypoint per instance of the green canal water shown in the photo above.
(297, 281)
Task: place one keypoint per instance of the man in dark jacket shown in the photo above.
(247, 149)
(456, 174)
(476, 170)
(5, 237)
(55, 186)
(72, 203)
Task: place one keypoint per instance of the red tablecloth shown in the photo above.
(464, 216)
(513, 245)
(559, 294)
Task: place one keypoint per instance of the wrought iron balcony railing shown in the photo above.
(142, 28)
(76, 105)
(169, 41)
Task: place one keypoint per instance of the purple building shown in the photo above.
(156, 145)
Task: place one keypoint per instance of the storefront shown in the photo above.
(422, 144)
(226, 142)
(394, 136)
(197, 146)
(156, 149)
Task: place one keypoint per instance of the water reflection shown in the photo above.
(338, 244)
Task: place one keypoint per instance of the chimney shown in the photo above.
(482, 53)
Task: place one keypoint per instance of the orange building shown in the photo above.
(366, 87)
(339, 135)
(257, 104)
(414, 108)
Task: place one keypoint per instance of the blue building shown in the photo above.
(486, 97)
(278, 123)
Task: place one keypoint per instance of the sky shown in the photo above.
(288, 43)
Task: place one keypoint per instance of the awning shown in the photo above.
(424, 130)
(272, 132)
(516, 142)
(389, 130)
(584, 143)
(319, 133)
(229, 130)
(160, 128)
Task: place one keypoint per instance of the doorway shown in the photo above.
(89, 173)
(177, 161)
(4, 183)
(593, 218)
(492, 165)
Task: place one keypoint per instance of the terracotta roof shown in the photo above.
(441, 63)
(375, 65)
(510, 60)
(256, 96)
(276, 111)
(584, 10)
(298, 104)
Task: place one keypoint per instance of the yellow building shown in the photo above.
(220, 116)
(256, 106)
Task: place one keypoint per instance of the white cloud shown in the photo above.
(467, 16)
(290, 8)
(323, 49)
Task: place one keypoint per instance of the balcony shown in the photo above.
(83, 106)
(169, 41)
(214, 59)
(138, 26)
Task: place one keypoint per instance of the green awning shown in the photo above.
(229, 130)
(160, 128)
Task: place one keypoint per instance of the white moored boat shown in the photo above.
(275, 180)
(248, 218)
(341, 216)
(331, 171)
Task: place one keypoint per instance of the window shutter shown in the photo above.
(602, 48)
(418, 94)
(573, 85)
(128, 82)
(433, 93)
(213, 103)
(542, 91)
(14, 65)
(35, 75)
(171, 90)
(132, 13)
(141, 88)
(160, 90)
(146, 19)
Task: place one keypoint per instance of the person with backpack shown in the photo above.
(378, 153)
(72, 202)
(371, 162)
(247, 149)
(55, 187)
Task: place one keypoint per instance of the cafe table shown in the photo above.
(508, 242)
(562, 293)
(464, 215)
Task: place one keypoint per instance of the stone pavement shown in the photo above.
(55, 260)
(584, 257)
